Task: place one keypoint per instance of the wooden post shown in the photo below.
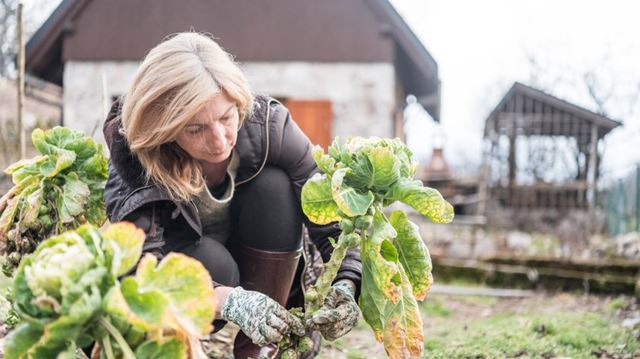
(21, 134)
(638, 198)
(592, 170)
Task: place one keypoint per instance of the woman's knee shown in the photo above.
(266, 212)
(215, 257)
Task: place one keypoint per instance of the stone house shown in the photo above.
(343, 67)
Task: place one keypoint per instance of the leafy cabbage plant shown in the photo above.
(68, 295)
(55, 191)
(359, 179)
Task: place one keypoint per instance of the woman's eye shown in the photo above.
(195, 130)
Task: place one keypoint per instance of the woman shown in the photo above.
(209, 170)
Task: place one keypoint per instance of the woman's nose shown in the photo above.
(218, 133)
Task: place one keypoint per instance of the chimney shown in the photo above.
(437, 169)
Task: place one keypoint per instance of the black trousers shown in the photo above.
(265, 215)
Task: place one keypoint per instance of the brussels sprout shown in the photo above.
(364, 222)
(44, 209)
(351, 239)
(289, 354)
(346, 225)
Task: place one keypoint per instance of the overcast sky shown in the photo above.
(482, 47)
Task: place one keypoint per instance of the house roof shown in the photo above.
(548, 112)
(278, 30)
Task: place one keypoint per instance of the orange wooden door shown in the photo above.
(314, 117)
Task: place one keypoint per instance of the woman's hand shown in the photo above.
(340, 312)
(261, 318)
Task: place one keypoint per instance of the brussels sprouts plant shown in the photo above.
(359, 179)
(58, 190)
(69, 295)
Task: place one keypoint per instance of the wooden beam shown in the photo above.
(21, 130)
(593, 158)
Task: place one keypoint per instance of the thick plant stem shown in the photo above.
(106, 343)
(317, 293)
(124, 346)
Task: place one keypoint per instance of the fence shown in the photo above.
(622, 205)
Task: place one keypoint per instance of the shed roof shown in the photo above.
(538, 108)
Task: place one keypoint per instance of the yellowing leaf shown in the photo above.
(317, 200)
(403, 336)
(427, 201)
(188, 287)
(412, 254)
(124, 245)
(380, 251)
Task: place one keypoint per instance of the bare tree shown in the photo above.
(8, 37)
(610, 94)
(35, 12)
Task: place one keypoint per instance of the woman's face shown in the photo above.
(212, 133)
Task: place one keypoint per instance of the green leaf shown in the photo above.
(187, 283)
(386, 168)
(21, 339)
(348, 199)
(124, 243)
(95, 168)
(403, 155)
(317, 200)
(325, 162)
(176, 294)
(25, 168)
(412, 253)
(374, 167)
(372, 300)
(145, 310)
(427, 201)
(171, 349)
(75, 194)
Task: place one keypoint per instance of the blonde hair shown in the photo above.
(175, 80)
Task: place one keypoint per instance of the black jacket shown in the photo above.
(268, 136)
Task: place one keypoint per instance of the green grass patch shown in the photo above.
(570, 334)
(434, 307)
(616, 304)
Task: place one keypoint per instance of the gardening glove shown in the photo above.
(261, 318)
(340, 312)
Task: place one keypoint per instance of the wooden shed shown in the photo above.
(542, 153)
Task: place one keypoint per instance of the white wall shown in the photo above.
(362, 94)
